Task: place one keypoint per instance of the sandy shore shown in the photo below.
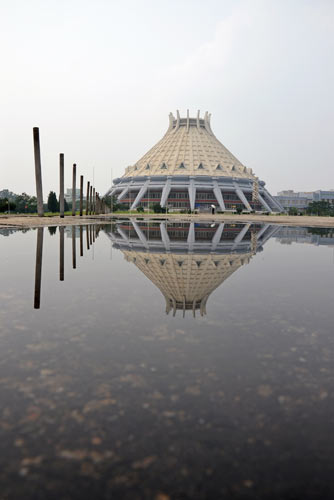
(286, 220)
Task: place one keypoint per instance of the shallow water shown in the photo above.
(170, 361)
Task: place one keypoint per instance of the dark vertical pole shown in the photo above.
(87, 237)
(38, 268)
(61, 185)
(90, 235)
(38, 172)
(81, 194)
(87, 199)
(98, 204)
(81, 241)
(61, 253)
(94, 202)
(74, 181)
(90, 200)
(74, 255)
(93, 230)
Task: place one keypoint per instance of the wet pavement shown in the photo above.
(167, 360)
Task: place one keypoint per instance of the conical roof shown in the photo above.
(186, 280)
(189, 147)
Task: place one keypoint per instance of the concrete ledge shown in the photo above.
(284, 220)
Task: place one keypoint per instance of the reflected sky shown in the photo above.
(157, 360)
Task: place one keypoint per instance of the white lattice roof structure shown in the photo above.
(189, 147)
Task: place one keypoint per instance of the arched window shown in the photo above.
(163, 166)
(200, 166)
(182, 165)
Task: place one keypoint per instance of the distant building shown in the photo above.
(302, 199)
(68, 195)
(324, 195)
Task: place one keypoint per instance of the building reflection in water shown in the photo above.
(187, 261)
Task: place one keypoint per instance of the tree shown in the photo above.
(6, 205)
(26, 203)
(52, 202)
(321, 208)
(158, 209)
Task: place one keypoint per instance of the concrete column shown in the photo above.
(61, 185)
(274, 202)
(94, 202)
(87, 198)
(61, 253)
(81, 194)
(192, 194)
(123, 193)
(87, 236)
(38, 267)
(164, 236)
(242, 197)
(74, 256)
(123, 235)
(38, 172)
(140, 233)
(218, 194)
(264, 203)
(139, 196)
(81, 241)
(74, 181)
(217, 236)
(241, 235)
(91, 200)
(165, 193)
(191, 237)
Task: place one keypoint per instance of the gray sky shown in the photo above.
(100, 77)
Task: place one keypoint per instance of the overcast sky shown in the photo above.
(99, 78)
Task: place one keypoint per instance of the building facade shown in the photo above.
(301, 200)
(190, 169)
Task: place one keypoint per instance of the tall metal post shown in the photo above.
(38, 172)
(61, 185)
(90, 200)
(74, 179)
(94, 202)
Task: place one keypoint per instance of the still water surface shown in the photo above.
(167, 361)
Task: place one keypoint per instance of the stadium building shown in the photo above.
(188, 169)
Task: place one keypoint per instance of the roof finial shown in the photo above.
(207, 123)
(187, 120)
(171, 119)
(177, 120)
